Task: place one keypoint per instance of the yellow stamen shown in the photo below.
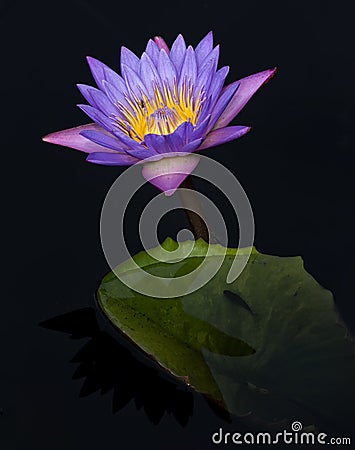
(161, 114)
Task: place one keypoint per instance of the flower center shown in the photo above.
(164, 121)
(160, 114)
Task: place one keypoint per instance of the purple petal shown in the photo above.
(97, 99)
(72, 138)
(223, 101)
(115, 94)
(166, 69)
(98, 117)
(213, 57)
(175, 141)
(128, 58)
(204, 48)
(248, 87)
(223, 135)
(149, 73)
(133, 147)
(102, 72)
(133, 82)
(170, 142)
(184, 131)
(112, 159)
(127, 142)
(191, 146)
(142, 153)
(86, 92)
(169, 172)
(203, 82)
(156, 142)
(152, 51)
(177, 52)
(161, 44)
(205, 110)
(217, 83)
(206, 74)
(114, 79)
(201, 128)
(104, 139)
(115, 89)
(97, 69)
(189, 68)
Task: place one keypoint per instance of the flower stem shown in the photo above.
(193, 210)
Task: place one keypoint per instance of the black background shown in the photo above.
(297, 167)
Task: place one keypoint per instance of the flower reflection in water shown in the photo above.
(113, 364)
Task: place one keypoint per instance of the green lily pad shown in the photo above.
(268, 344)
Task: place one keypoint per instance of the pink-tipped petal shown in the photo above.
(223, 135)
(161, 44)
(169, 172)
(73, 139)
(247, 88)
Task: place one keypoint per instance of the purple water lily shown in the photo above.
(164, 106)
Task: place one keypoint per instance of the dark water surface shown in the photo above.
(297, 167)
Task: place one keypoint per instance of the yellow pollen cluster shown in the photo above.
(161, 114)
